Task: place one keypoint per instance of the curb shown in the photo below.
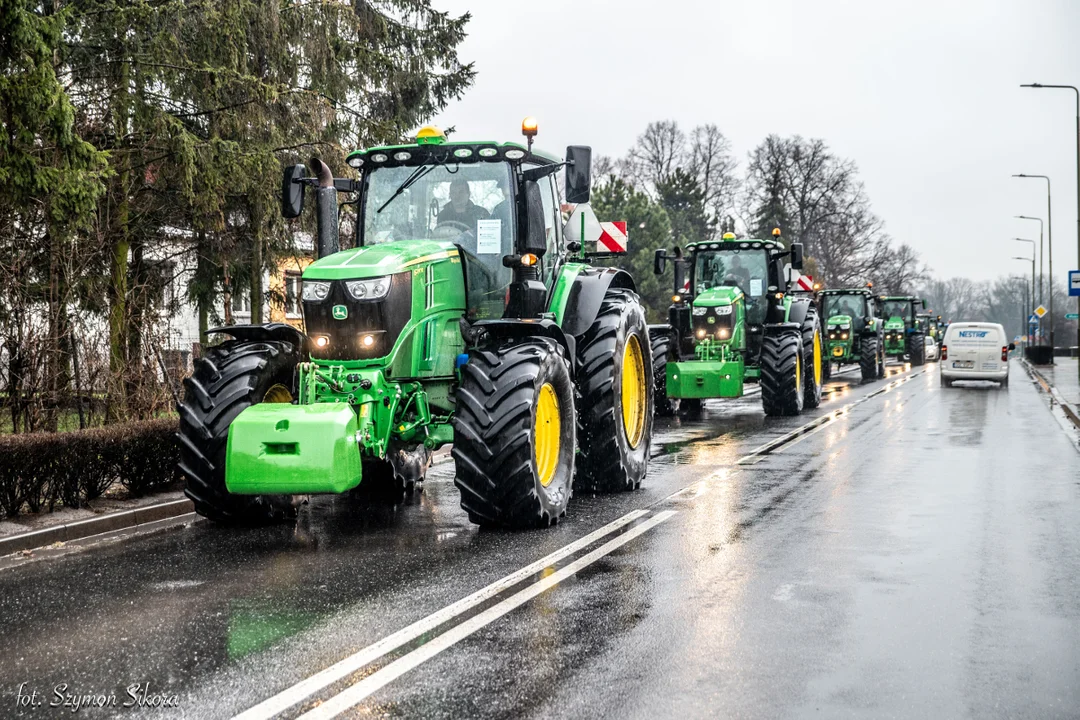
(111, 522)
(1052, 392)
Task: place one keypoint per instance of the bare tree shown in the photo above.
(655, 155)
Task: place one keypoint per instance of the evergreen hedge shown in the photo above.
(39, 471)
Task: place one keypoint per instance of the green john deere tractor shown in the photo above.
(735, 323)
(855, 331)
(904, 331)
(462, 315)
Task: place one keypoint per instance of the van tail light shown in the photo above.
(1004, 353)
(944, 352)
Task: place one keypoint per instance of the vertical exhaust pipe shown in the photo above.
(328, 241)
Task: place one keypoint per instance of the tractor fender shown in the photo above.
(799, 308)
(268, 331)
(489, 332)
(656, 331)
(586, 295)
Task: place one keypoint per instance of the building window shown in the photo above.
(241, 301)
(292, 294)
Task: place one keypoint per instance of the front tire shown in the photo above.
(869, 359)
(227, 380)
(615, 383)
(781, 373)
(661, 347)
(917, 349)
(515, 433)
(812, 360)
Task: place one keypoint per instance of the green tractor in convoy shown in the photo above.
(905, 335)
(734, 322)
(462, 315)
(855, 332)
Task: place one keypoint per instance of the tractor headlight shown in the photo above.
(370, 289)
(701, 334)
(723, 310)
(700, 310)
(845, 326)
(315, 290)
(843, 336)
(722, 333)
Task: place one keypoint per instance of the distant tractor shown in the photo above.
(737, 323)
(461, 316)
(904, 331)
(855, 330)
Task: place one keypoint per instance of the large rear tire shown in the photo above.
(917, 348)
(661, 346)
(515, 430)
(228, 379)
(781, 373)
(812, 360)
(869, 358)
(615, 383)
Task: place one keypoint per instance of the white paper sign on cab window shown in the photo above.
(755, 287)
(488, 237)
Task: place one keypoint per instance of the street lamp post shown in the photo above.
(1049, 249)
(1077, 92)
(1025, 326)
(1032, 278)
(1042, 253)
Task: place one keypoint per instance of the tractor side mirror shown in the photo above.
(292, 192)
(578, 173)
(535, 235)
(659, 262)
(796, 256)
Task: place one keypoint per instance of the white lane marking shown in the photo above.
(343, 668)
(355, 694)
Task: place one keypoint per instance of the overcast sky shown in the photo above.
(922, 94)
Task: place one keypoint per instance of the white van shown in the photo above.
(975, 351)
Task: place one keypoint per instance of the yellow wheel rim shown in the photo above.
(817, 358)
(634, 398)
(798, 372)
(546, 434)
(277, 394)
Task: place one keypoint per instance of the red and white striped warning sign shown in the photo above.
(612, 236)
(805, 282)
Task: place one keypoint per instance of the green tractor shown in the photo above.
(734, 322)
(904, 331)
(855, 331)
(462, 315)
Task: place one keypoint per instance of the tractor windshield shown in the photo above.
(898, 308)
(746, 269)
(469, 204)
(853, 306)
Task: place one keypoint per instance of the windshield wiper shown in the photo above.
(409, 181)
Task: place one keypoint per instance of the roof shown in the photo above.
(733, 244)
(847, 291)
(414, 154)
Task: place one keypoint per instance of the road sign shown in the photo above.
(1033, 319)
(1072, 316)
(805, 282)
(583, 227)
(1040, 311)
(1074, 282)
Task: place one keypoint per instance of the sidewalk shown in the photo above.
(1062, 377)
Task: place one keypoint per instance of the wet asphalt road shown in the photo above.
(915, 553)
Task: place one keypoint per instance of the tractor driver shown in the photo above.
(741, 273)
(846, 308)
(461, 210)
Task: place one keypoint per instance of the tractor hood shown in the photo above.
(717, 296)
(894, 323)
(378, 260)
(840, 320)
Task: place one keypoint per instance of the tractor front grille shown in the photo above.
(382, 320)
(710, 325)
